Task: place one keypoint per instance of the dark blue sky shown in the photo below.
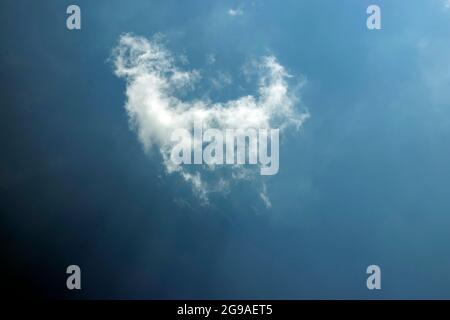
(365, 181)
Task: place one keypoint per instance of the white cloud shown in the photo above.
(210, 58)
(264, 197)
(155, 109)
(222, 79)
(235, 12)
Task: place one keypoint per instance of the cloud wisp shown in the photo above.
(235, 12)
(155, 87)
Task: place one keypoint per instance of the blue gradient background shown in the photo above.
(366, 181)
